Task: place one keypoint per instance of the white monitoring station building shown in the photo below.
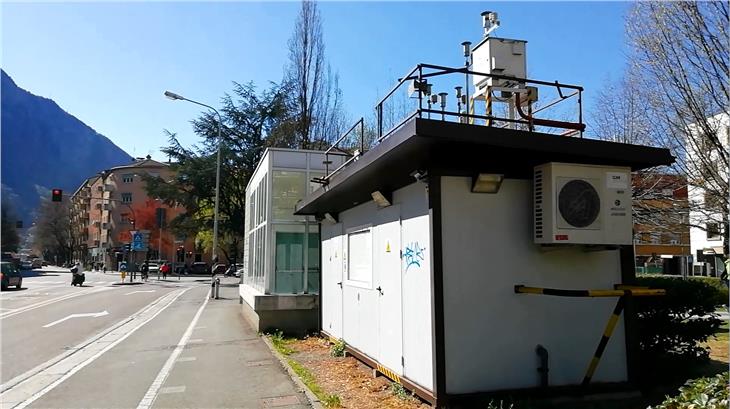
(461, 254)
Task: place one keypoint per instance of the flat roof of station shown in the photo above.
(457, 149)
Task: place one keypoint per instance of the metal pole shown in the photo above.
(214, 253)
(217, 192)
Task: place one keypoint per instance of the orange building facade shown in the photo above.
(661, 228)
(109, 208)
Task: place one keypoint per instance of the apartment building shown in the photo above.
(111, 206)
(708, 184)
(661, 230)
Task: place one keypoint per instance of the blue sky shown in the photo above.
(109, 63)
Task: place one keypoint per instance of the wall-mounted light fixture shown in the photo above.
(381, 199)
(486, 183)
(420, 175)
(330, 218)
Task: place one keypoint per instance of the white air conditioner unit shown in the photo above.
(582, 204)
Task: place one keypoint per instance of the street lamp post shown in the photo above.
(173, 96)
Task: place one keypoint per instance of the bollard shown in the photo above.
(217, 287)
(212, 288)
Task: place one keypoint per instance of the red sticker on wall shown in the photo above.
(561, 237)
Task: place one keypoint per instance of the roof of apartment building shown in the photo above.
(458, 149)
(146, 162)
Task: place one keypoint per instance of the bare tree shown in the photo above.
(675, 94)
(53, 230)
(317, 98)
(9, 240)
(680, 53)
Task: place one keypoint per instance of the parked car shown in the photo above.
(26, 265)
(153, 267)
(9, 276)
(44, 263)
(37, 263)
(199, 267)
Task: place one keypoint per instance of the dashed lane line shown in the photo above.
(154, 390)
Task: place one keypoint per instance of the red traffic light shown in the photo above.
(56, 195)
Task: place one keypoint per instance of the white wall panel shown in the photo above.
(331, 292)
(491, 332)
(416, 265)
(387, 266)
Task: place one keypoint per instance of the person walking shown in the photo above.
(144, 270)
(165, 269)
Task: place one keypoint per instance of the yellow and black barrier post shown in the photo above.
(620, 291)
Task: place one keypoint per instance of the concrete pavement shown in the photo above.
(161, 344)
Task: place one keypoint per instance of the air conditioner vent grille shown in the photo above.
(538, 193)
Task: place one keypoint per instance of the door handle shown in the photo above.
(340, 284)
(380, 290)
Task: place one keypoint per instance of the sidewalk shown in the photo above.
(226, 364)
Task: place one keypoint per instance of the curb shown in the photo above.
(311, 397)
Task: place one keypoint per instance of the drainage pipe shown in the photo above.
(543, 369)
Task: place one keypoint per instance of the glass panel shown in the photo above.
(313, 261)
(289, 259)
(288, 188)
(360, 257)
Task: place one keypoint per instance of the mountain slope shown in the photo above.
(44, 147)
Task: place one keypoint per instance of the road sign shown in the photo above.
(138, 241)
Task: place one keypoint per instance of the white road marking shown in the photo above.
(201, 327)
(51, 301)
(143, 291)
(196, 340)
(187, 359)
(29, 387)
(89, 314)
(173, 389)
(152, 392)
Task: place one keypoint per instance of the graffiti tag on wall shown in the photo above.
(414, 255)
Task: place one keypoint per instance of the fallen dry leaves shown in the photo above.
(348, 378)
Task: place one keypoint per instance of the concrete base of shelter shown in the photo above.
(294, 314)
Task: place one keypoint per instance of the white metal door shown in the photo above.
(332, 280)
(387, 265)
(360, 299)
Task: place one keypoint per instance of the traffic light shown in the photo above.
(127, 247)
(56, 195)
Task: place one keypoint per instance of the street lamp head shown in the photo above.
(173, 96)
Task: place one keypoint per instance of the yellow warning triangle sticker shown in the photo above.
(387, 247)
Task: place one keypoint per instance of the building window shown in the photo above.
(655, 238)
(128, 178)
(360, 257)
(126, 198)
(125, 219)
(288, 188)
(713, 231)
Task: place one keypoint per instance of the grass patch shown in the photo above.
(283, 346)
(723, 334)
(328, 400)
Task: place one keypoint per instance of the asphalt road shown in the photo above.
(159, 344)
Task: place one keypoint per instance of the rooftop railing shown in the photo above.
(513, 103)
